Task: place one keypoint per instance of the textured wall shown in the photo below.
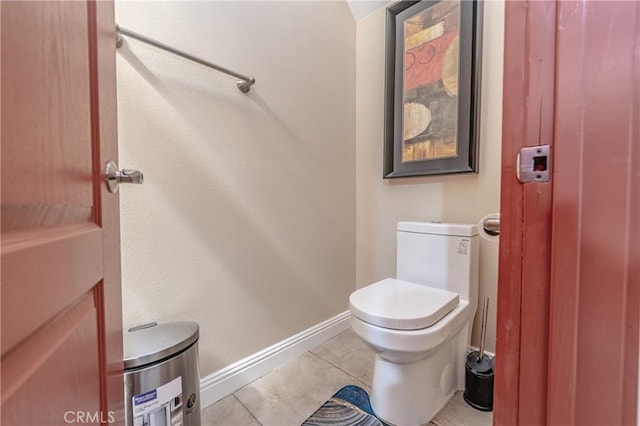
(455, 198)
(246, 220)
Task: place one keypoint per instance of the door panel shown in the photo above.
(39, 381)
(61, 306)
(63, 262)
(594, 339)
(45, 76)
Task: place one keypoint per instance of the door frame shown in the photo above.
(525, 214)
(532, 281)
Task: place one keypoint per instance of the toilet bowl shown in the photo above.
(415, 370)
(420, 328)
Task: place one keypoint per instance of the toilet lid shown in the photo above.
(401, 305)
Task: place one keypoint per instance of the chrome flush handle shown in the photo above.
(113, 176)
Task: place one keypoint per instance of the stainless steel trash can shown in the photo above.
(162, 378)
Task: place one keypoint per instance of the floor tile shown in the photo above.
(349, 353)
(294, 391)
(458, 413)
(228, 411)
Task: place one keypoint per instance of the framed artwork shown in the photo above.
(432, 87)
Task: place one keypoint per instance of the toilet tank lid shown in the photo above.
(438, 228)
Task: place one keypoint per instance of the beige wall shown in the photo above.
(456, 198)
(246, 220)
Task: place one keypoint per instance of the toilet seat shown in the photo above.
(401, 305)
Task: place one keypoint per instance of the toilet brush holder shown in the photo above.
(478, 382)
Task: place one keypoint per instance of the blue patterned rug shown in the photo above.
(348, 407)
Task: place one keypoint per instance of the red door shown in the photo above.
(568, 300)
(61, 305)
(595, 267)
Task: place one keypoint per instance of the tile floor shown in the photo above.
(292, 392)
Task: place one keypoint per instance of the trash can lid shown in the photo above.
(149, 343)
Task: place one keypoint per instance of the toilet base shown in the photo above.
(411, 394)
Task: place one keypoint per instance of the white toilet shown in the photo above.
(419, 324)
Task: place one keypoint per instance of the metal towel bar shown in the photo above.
(244, 84)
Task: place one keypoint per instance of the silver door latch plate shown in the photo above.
(534, 164)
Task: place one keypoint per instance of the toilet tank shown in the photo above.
(441, 255)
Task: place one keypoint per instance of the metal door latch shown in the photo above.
(114, 176)
(534, 164)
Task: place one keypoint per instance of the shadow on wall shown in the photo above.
(214, 223)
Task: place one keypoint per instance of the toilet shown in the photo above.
(419, 324)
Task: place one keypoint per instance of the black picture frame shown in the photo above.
(418, 150)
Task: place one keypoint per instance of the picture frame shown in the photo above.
(432, 87)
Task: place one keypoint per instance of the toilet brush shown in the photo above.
(483, 328)
(478, 390)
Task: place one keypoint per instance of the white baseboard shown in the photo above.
(229, 379)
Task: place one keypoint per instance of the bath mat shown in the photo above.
(348, 407)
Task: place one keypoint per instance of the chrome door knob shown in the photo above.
(114, 176)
